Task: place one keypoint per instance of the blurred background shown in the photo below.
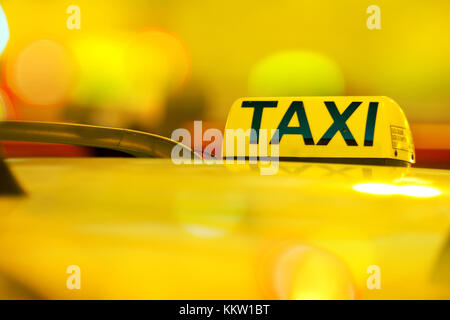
(159, 65)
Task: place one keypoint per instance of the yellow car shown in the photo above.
(343, 216)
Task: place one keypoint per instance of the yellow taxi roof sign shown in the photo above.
(347, 129)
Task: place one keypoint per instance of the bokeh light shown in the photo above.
(307, 273)
(134, 73)
(158, 66)
(296, 73)
(41, 73)
(102, 81)
(6, 106)
(4, 30)
(162, 56)
(411, 190)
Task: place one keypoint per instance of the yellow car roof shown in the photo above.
(146, 228)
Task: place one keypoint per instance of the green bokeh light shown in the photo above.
(296, 73)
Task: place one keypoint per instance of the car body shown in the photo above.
(149, 229)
